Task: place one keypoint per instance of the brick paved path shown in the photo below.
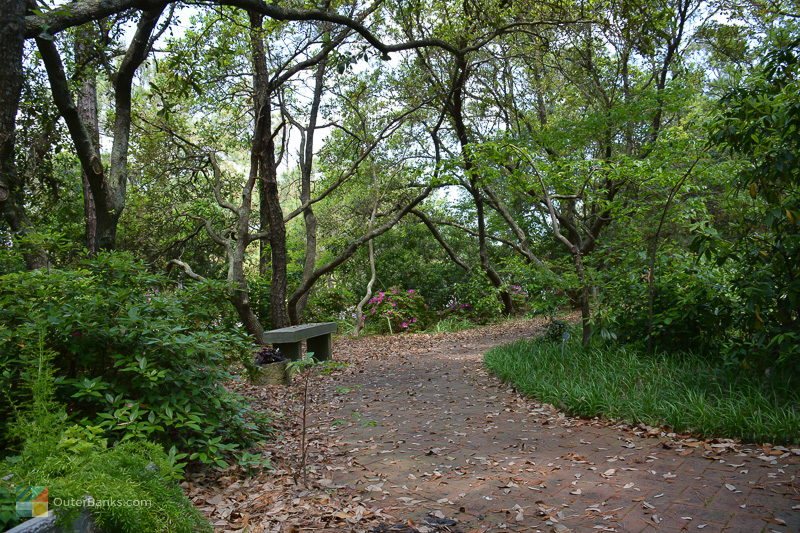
(426, 434)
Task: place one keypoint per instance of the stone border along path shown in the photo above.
(424, 433)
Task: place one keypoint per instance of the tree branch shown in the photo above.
(438, 236)
(186, 269)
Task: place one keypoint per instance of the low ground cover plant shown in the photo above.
(686, 392)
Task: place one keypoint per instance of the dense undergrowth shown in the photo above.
(685, 392)
(134, 355)
(127, 486)
(103, 367)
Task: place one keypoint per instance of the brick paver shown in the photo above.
(426, 433)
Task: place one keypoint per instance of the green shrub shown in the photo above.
(328, 304)
(557, 331)
(692, 306)
(260, 289)
(132, 484)
(758, 123)
(476, 299)
(683, 391)
(132, 471)
(396, 311)
(134, 355)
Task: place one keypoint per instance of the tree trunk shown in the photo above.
(108, 191)
(586, 310)
(263, 157)
(372, 277)
(455, 108)
(240, 294)
(12, 193)
(309, 218)
(483, 253)
(12, 38)
(87, 110)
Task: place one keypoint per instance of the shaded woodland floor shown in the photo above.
(415, 435)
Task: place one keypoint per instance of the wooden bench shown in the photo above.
(317, 337)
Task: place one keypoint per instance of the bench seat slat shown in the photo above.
(299, 333)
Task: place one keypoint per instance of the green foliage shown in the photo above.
(131, 485)
(557, 331)
(327, 304)
(475, 298)
(260, 289)
(685, 392)
(450, 324)
(422, 266)
(134, 356)
(760, 123)
(693, 304)
(396, 311)
(307, 362)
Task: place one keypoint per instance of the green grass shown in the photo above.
(450, 324)
(685, 392)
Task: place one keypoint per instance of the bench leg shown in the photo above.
(321, 346)
(289, 350)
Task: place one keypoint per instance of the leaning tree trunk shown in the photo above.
(238, 291)
(483, 253)
(373, 275)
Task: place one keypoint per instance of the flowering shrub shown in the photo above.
(397, 310)
(455, 309)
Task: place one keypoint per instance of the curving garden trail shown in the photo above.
(416, 436)
(429, 434)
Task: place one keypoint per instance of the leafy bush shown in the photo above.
(397, 310)
(556, 331)
(692, 305)
(132, 471)
(477, 299)
(327, 304)
(132, 484)
(135, 356)
(260, 289)
(684, 391)
(759, 123)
